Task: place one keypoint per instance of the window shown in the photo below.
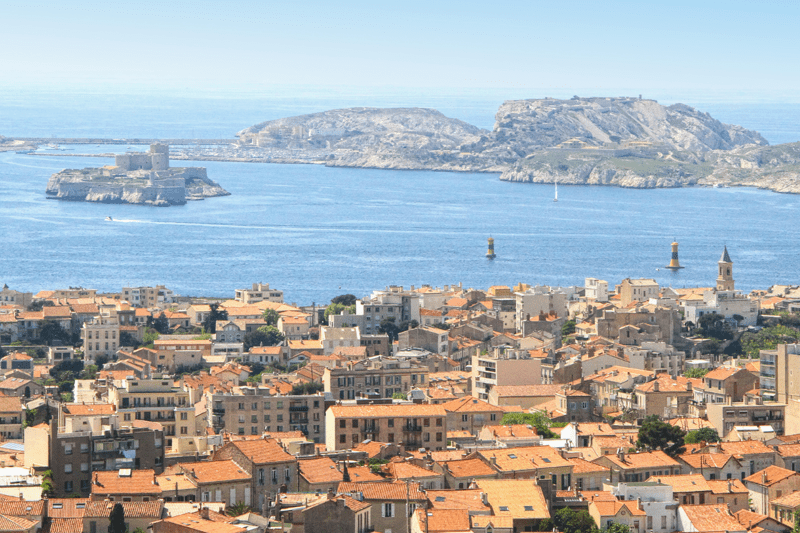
(84, 467)
(68, 449)
(266, 405)
(253, 419)
(342, 439)
(184, 416)
(464, 418)
(355, 423)
(266, 418)
(84, 448)
(255, 406)
(439, 422)
(342, 424)
(390, 423)
(387, 510)
(68, 468)
(68, 486)
(184, 430)
(260, 476)
(492, 417)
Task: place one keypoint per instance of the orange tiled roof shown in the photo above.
(79, 409)
(525, 458)
(319, 470)
(263, 451)
(726, 486)
(384, 491)
(103, 509)
(770, 475)
(684, 483)
(139, 482)
(444, 520)
(518, 498)
(715, 517)
(641, 460)
(468, 404)
(608, 508)
(582, 466)
(745, 447)
(469, 499)
(469, 468)
(215, 471)
(405, 470)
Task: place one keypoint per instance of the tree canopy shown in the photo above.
(344, 299)
(271, 317)
(657, 435)
(540, 421)
(210, 322)
(388, 327)
(51, 331)
(337, 308)
(701, 435)
(263, 336)
(695, 372)
(116, 521)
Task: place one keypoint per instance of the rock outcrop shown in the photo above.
(107, 185)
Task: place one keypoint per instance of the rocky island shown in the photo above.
(136, 178)
(625, 142)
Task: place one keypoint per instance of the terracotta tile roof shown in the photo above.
(791, 500)
(266, 350)
(511, 430)
(665, 384)
(215, 471)
(66, 507)
(706, 460)
(527, 390)
(745, 447)
(372, 448)
(353, 504)
(16, 507)
(60, 311)
(683, 483)
(55, 525)
(362, 473)
(10, 404)
(608, 508)
(525, 458)
(398, 470)
(595, 428)
(518, 498)
(263, 451)
(582, 466)
(387, 411)
(598, 496)
(103, 509)
(469, 499)
(382, 490)
(689, 423)
(174, 481)
(749, 519)
(769, 476)
(140, 482)
(726, 486)
(443, 520)
(721, 373)
(305, 345)
(468, 468)
(195, 522)
(319, 470)
(715, 517)
(86, 309)
(468, 404)
(641, 460)
(79, 409)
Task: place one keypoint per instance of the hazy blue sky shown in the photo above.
(699, 45)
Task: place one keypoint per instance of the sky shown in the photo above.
(730, 46)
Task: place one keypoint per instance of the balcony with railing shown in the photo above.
(412, 428)
(298, 408)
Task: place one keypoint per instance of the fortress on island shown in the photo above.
(135, 178)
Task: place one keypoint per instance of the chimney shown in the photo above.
(655, 386)
(493, 460)
(764, 478)
(730, 486)
(331, 494)
(484, 498)
(689, 386)
(204, 513)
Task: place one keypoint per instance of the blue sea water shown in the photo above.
(316, 232)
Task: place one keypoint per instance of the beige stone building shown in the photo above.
(254, 410)
(412, 425)
(504, 367)
(207, 481)
(259, 292)
(374, 378)
(100, 337)
(155, 400)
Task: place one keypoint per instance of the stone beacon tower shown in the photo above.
(490, 252)
(725, 278)
(674, 264)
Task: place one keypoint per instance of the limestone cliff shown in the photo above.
(158, 188)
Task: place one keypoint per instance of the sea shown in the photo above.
(317, 232)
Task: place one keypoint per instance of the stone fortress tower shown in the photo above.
(725, 278)
(156, 159)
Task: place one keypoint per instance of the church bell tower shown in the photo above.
(725, 277)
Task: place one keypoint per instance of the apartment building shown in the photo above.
(148, 296)
(537, 300)
(410, 425)
(254, 410)
(380, 378)
(100, 337)
(504, 367)
(727, 416)
(154, 400)
(259, 292)
(91, 439)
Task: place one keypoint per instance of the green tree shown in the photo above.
(440, 325)
(161, 324)
(405, 325)
(715, 326)
(569, 521)
(126, 339)
(568, 328)
(116, 521)
(657, 435)
(263, 336)
(239, 509)
(540, 421)
(210, 322)
(345, 299)
(312, 387)
(701, 435)
(150, 335)
(89, 372)
(47, 483)
(337, 308)
(388, 327)
(768, 339)
(616, 527)
(52, 331)
(399, 396)
(271, 317)
(696, 372)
